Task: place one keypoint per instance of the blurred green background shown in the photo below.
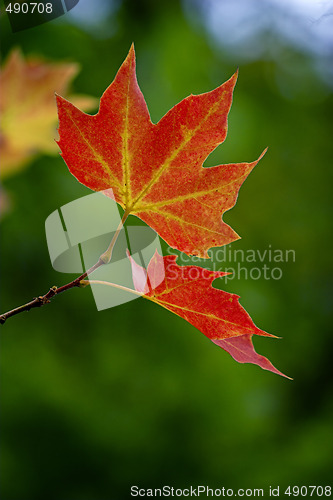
(94, 402)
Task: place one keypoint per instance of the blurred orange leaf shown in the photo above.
(27, 106)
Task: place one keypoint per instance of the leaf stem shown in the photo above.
(106, 256)
(114, 285)
(77, 282)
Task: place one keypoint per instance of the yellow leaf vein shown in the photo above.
(125, 150)
(179, 199)
(174, 154)
(97, 156)
(168, 305)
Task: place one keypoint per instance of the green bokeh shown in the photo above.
(94, 402)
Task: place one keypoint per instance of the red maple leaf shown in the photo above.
(187, 291)
(156, 171)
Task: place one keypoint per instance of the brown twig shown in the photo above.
(45, 299)
(53, 291)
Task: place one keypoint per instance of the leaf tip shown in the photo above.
(263, 154)
(131, 53)
(139, 275)
(59, 99)
(242, 350)
(157, 254)
(234, 77)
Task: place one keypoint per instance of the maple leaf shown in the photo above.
(187, 291)
(28, 116)
(155, 171)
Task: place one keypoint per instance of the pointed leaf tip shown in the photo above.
(262, 154)
(242, 350)
(139, 275)
(131, 54)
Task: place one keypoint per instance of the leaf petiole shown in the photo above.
(108, 283)
(106, 256)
